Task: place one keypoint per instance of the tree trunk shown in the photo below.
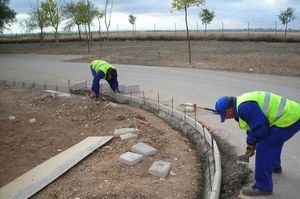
(100, 38)
(285, 32)
(56, 37)
(78, 26)
(188, 36)
(87, 39)
(132, 32)
(205, 31)
(41, 37)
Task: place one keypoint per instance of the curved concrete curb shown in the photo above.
(199, 135)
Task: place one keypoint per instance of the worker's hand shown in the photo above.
(93, 95)
(250, 150)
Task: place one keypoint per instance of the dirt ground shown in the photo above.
(63, 122)
(253, 57)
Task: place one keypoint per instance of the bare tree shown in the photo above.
(99, 16)
(107, 14)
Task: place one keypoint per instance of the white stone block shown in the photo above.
(11, 117)
(131, 88)
(128, 136)
(130, 158)
(33, 120)
(143, 149)
(121, 131)
(160, 169)
(189, 109)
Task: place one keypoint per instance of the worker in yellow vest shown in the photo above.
(103, 70)
(269, 120)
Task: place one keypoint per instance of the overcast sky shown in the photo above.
(233, 13)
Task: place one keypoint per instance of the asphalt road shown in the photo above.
(184, 85)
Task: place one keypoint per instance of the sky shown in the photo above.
(235, 14)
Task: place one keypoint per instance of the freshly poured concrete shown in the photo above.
(40, 176)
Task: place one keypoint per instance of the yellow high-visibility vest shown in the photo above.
(279, 111)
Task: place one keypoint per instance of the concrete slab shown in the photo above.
(40, 176)
(121, 131)
(130, 158)
(143, 149)
(160, 169)
(128, 136)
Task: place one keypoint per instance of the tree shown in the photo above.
(184, 5)
(206, 17)
(132, 19)
(107, 15)
(37, 19)
(99, 16)
(285, 17)
(72, 16)
(54, 15)
(7, 15)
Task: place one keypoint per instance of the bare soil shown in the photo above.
(63, 122)
(252, 57)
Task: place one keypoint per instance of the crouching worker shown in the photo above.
(270, 120)
(103, 70)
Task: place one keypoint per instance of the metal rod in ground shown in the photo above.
(130, 95)
(23, 84)
(184, 113)
(195, 114)
(208, 164)
(69, 84)
(115, 95)
(157, 100)
(56, 87)
(172, 105)
(143, 97)
(45, 86)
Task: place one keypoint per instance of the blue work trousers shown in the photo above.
(268, 152)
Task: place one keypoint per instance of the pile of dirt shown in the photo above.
(63, 122)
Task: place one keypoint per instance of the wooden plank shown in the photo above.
(40, 176)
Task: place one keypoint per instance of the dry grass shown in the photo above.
(167, 36)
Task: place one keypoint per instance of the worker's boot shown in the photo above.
(278, 170)
(253, 191)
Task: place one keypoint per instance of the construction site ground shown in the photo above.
(63, 122)
(252, 57)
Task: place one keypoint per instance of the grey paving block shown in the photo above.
(128, 136)
(130, 158)
(143, 149)
(81, 85)
(160, 169)
(121, 131)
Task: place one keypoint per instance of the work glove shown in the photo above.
(250, 150)
(93, 95)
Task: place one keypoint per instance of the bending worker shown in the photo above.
(269, 120)
(103, 70)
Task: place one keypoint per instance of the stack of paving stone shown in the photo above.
(139, 151)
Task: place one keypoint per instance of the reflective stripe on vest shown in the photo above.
(279, 111)
(98, 65)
